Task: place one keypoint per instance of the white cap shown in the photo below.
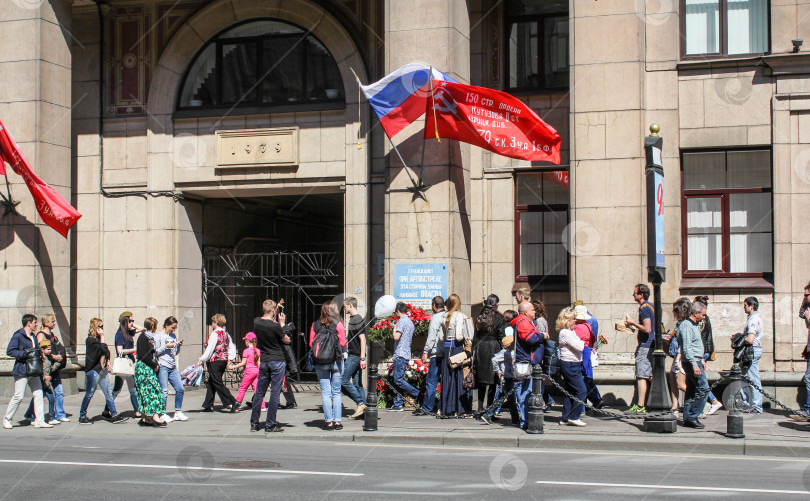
(582, 312)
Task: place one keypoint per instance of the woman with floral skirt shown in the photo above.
(150, 394)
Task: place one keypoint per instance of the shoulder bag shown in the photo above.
(458, 360)
(33, 362)
(523, 370)
(123, 366)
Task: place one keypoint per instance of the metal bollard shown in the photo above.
(734, 420)
(370, 416)
(535, 415)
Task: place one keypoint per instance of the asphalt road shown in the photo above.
(155, 465)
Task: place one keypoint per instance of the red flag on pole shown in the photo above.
(52, 208)
(491, 119)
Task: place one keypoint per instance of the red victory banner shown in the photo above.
(52, 208)
(491, 119)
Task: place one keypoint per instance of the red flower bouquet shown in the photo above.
(384, 328)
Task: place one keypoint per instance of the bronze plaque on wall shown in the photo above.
(257, 147)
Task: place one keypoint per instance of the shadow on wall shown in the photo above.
(31, 236)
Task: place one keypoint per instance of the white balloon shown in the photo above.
(385, 306)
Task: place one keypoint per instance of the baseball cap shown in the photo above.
(44, 343)
(249, 336)
(125, 314)
(507, 340)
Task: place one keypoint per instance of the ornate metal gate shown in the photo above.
(237, 284)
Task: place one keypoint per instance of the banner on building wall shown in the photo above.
(52, 208)
(491, 119)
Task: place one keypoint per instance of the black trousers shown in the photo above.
(289, 394)
(215, 385)
(486, 392)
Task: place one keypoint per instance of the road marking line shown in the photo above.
(673, 487)
(175, 467)
(582, 452)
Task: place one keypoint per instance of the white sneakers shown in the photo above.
(65, 420)
(54, 422)
(714, 408)
(43, 425)
(166, 418)
(7, 424)
(576, 422)
(179, 416)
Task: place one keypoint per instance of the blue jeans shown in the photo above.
(522, 394)
(92, 379)
(330, 377)
(56, 398)
(706, 356)
(572, 376)
(270, 374)
(806, 380)
(166, 376)
(693, 387)
(399, 381)
(753, 375)
(432, 381)
(352, 383)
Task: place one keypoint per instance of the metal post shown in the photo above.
(734, 420)
(658, 400)
(534, 423)
(370, 415)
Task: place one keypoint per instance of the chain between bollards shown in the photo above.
(535, 414)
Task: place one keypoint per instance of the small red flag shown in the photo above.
(491, 119)
(52, 208)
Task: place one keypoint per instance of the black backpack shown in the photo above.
(325, 348)
(551, 358)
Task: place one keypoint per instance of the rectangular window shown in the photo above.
(727, 213)
(541, 215)
(725, 27)
(537, 45)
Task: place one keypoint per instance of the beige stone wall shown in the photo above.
(439, 230)
(35, 104)
(144, 253)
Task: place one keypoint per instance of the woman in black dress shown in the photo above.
(489, 331)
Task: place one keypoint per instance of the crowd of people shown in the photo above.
(492, 353)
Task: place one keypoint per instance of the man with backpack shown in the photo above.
(403, 335)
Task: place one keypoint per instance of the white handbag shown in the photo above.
(523, 370)
(123, 366)
(594, 359)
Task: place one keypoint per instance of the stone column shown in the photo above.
(35, 103)
(437, 231)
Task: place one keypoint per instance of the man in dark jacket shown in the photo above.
(22, 343)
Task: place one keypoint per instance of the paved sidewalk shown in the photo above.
(769, 434)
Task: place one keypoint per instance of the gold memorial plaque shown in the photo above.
(257, 147)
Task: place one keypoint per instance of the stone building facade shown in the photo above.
(218, 154)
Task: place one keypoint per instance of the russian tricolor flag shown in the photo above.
(401, 97)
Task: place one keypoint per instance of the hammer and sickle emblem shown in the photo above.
(444, 102)
(247, 148)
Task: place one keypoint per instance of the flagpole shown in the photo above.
(359, 111)
(433, 105)
(422, 162)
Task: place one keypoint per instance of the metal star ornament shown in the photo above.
(418, 189)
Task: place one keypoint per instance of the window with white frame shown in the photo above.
(724, 27)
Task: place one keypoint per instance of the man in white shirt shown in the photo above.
(753, 336)
(433, 352)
